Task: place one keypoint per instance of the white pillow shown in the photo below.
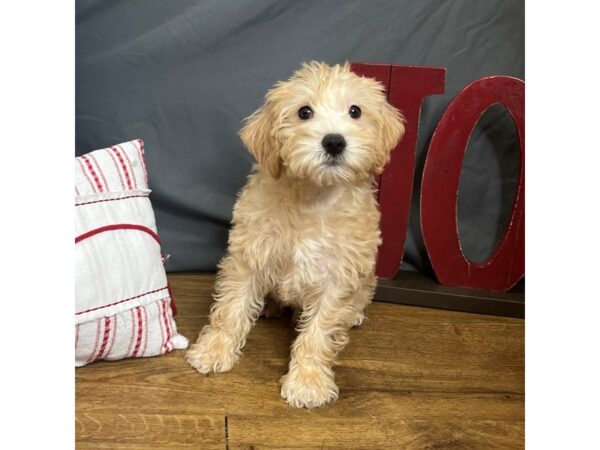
(123, 302)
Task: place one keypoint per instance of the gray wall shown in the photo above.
(183, 74)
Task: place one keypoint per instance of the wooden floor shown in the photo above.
(411, 378)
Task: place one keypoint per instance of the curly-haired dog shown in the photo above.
(306, 225)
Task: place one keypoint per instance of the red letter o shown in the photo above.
(439, 190)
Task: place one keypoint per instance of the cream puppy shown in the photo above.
(306, 225)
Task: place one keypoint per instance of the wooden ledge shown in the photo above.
(413, 288)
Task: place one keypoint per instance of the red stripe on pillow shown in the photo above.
(146, 330)
(91, 357)
(169, 325)
(111, 199)
(117, 226)
(105, 339)
(121, 301)
(163, 313)
(140, 147)
(127, 177)
(139, 336)
(131, 333)
(100, 172)
(112, 342)
(130, 166)
(92, 173)
(86, 175)
(160, 326)
(112, 156)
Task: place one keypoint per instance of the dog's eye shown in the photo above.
(305, 113)
(354, 112)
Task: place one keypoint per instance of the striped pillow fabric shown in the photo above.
(124, 307)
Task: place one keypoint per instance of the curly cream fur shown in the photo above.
(304, 230)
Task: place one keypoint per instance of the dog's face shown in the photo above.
(325, 124)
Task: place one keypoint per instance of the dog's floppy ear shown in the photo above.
(391, 129)
(258, 135)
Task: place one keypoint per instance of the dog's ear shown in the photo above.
(391, 129)
(258, 135)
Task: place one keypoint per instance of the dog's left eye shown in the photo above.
(354, 112)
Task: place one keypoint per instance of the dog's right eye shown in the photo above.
(305, 113)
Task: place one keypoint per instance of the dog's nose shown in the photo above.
(334, 144)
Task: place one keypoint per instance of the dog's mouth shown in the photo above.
(333, 161)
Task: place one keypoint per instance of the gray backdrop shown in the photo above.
(183, 74)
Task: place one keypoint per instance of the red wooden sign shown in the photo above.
(407, 88)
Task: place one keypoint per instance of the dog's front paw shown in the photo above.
(303, 388)
(214, 351)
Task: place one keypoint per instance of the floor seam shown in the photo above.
(226, 434)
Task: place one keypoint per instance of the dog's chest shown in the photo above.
(299, 245)
(322, 250)
(307, 260)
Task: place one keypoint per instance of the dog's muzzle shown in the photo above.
(334, 144)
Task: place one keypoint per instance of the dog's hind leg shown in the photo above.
(361, 300)
(239, 299)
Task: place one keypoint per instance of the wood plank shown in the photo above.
(416, 377)
(247, 432)
(365, 368)
(148, 431)
(256, 391)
